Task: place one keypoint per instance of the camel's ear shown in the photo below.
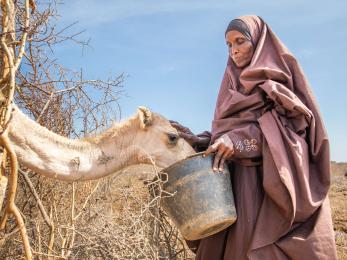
(145, 116)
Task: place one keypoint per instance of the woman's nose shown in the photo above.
(234, 50)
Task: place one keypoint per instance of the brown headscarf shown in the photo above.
(273, 94)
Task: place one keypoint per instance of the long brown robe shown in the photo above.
(281, 170)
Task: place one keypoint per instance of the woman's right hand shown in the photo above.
(192, 139)
(224, 150)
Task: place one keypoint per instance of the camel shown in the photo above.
(143, 138)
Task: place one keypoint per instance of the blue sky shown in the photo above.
(173, 52)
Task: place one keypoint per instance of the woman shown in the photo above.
(268, 127)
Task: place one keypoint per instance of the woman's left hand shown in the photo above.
(224, 149)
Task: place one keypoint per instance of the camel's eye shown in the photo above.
(173, 138)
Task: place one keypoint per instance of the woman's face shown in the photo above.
(240, 48)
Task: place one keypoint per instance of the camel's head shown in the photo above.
(159, 141)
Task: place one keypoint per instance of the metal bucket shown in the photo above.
(202, 201)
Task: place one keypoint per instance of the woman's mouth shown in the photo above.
(237, 60)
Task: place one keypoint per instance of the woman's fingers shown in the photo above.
(180, 127)
(218, 157)
(176, 125)
(191, 139)
(224, 149)
(226, 155)
(185, 136)
(203, 141)
(211, 149)
(221, 164)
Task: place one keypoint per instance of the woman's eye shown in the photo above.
(229, 45)
(240, 41)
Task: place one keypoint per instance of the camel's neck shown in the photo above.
(58, 157)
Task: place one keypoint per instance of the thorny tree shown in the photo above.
(115, 218)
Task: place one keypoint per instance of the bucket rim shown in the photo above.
(182, 160)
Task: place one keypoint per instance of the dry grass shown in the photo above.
(337, 195)
(121, 220)
(338, 200)
(114, 218)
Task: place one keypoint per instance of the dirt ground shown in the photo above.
(338, 201)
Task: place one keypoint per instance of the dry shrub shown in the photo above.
(114, 218)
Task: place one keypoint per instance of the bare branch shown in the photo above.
(33, 190)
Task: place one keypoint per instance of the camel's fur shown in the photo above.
(142, 138)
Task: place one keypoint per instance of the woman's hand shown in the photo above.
(192, 139)
(224, 149)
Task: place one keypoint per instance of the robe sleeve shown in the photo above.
(203, 147)
(247, 141)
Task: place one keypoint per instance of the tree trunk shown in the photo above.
(4, 70)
